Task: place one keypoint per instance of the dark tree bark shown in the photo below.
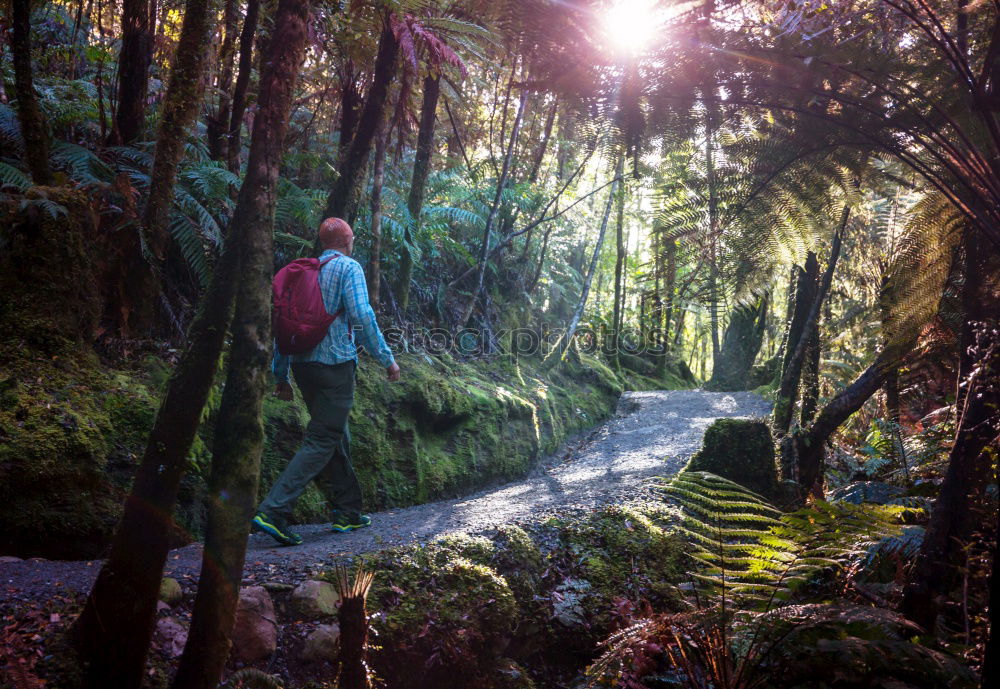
(29, 114)
(792, 372)
(378, 178)
(803, 451)
(239, 438)
(114, 630)
(418, 183)
(810, 377)
(740, 345)
(977, 402)
(342, 202)
(180, 107)
(350, 109)
(239, 101)
(218, 124)
(133, 70)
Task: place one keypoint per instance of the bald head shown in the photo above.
(335, 233)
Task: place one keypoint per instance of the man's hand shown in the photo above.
(392, 373)
(283, 391)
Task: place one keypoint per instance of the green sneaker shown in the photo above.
(276, 529)
(344, 521)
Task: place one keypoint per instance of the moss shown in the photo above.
(442, 616)
(742, 451)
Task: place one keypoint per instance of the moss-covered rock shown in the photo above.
(742, 451)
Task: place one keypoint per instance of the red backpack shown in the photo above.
(300, 317)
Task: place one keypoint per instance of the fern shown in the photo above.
(13, 178)
(252, 678)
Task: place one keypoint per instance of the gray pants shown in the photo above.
(325, 455)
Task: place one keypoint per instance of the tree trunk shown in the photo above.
(418, 184)
(616, 314)
(740, 345)
(134, 59)
(218, 124)
(33, 128)
(977, 401)
(234, 143)
(375, 258)
(792, 372)
(559, 351)
(803, 451)
(491, 218)
(342, 202)
(810, 378)
(180, 107)
(350, 109)
(239, 438)
(114, 630)
(713, 224)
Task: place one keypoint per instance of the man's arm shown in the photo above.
(279, 367)
(360, 313)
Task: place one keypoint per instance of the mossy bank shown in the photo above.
(73, 431)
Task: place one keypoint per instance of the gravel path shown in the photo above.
(652, 434)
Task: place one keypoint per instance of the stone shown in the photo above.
(170, 591)
(742, 451)
(313, 599)
(170, 635)
(322, 644)
(277, 586)
(255, 633)
(9, 558)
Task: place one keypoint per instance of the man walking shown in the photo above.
(325, 377)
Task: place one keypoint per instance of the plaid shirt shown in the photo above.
(342, 282)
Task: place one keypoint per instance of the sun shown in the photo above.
(630, 25)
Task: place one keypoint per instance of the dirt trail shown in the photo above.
(652, 434)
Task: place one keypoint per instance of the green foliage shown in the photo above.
(742, 451)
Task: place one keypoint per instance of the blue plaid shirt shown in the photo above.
(342, 282)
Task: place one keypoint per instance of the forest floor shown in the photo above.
(652, 433)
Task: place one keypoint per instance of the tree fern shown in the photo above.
(12, 178)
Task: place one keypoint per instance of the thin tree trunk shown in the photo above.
(616, 314)
(134, 59)
(234, 143)
(491, 218)
(33, 127)
(114, 630)
(991, 655)
(375, 259)
(239, 438)
(180, 107)
(559, 352)
(418, 183)
(977, 401)
(342, 202)
(803, 452)
(792, 373)
(218, 124)
(713, 223)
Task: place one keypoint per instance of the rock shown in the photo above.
(9, 558)
(255, 634)
(171, 636)
(277, 586)
(742, 451)
(314, 599)
(322, 644)
(170, 591)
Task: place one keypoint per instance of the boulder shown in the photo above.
(170, 635)
(255, 633)
(170, 591)
(313, 599)
(742, 451)
(322, 644)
